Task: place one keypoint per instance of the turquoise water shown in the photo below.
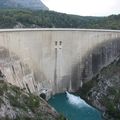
(73, 107)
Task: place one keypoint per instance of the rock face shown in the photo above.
(16, 104)
(103, 91)
(18, 73)
(27, 4)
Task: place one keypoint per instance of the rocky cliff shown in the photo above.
(103, 91)
(17, 86)
(17, 72)
(27, 4)
(16, 104)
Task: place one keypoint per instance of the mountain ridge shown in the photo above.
(27, 4)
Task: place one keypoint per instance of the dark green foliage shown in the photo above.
(9, 18)
(111, 108)
(85, 90)
(23, 101)
(32, 102)
(3, 87)
(22, 118)
(61, 117)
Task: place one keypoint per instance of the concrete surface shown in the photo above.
(61, 59)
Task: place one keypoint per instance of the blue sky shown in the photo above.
(85, 7)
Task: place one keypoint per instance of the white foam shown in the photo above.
(76, 100)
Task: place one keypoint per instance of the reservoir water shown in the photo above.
(73, 107)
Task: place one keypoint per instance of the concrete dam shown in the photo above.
(55, 60)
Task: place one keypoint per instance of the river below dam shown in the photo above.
(73, 107)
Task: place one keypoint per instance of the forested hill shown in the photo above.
(14, 18)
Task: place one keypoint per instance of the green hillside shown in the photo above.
(12, 18)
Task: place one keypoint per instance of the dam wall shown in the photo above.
(60, 59)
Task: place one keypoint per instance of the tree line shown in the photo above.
(10, 18)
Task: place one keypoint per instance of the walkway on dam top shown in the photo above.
(58, 29)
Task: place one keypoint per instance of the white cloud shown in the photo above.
(85, 7)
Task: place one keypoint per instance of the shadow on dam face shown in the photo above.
(97, 58)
